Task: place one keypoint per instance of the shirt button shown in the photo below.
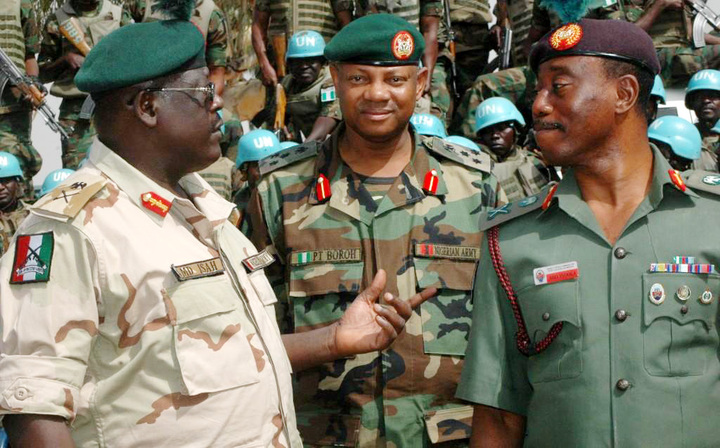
(620, 253)
(21, 393)
(621, 315)
(623, 385)
(546, 316)
(683, 310)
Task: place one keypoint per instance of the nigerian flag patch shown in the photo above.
(33, 255)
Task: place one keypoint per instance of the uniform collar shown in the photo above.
(515, 154)
(133, 182)
(349, 194)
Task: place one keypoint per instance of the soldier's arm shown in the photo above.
(322, 127)
(260, 23)
(50, 60)
(136, 8)
(343, 11)
(539, 25)
(31, 31)
(429, 24)
(495, 428)
(216, 49)
(37, 431)
(653, 11)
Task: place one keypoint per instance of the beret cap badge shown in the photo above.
(403, 45)
(566, 37)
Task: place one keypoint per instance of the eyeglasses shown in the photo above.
(209, 91)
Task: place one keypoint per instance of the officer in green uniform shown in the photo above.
(376, 195)
(599, 326)
(498, 125)
(60, 60)
(19, 38)
(677, 139)
(702, 96)
(12, 209)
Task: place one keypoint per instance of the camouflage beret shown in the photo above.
(140, 52)
(377, 39)
(614, 39)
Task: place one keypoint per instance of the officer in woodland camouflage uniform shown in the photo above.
(669, 24)
(60, 60)
(498, 125)
(703, 97)
(12, 209)
(139, 314)
(19, 38)
(335, 213)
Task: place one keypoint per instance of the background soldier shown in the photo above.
(12, 209)
(657, 97)
(253, 146)
(376, 195)
(60, 59)
(677, 139)
(53, 179)
(703, 97)
(519, 14)
(19, 38)
(499, 126)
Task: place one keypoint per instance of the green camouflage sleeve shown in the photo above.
(431, 8)
(217, 40)
(51, 44)
(126, 18)
(31, 29)
(136, 8)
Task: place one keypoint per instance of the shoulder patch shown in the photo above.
(515, 209)
(702, 180)
(327, 94)
(287, 157)
(460, 154)
(68, 198)
(33, 257)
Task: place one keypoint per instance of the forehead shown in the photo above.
(576, 66)
(378, 70)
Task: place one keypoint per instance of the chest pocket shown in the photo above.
(319, 293)
(212, 333)
(542, 307)
(680, 337)
(446, 318)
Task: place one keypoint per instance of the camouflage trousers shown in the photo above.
(15, 130)
(678, 64)
(440, 96)
(80, 132)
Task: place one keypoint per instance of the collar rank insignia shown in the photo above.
(549, 197)
(198, 269)
(33, 256)
(259, 261)
(155, 203)
(431, 182)
(677, 180)
(403, 45)
(566, 37)
(322, 188)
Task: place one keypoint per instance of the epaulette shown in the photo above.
(515, 209)
(67, 199)
(460, 154)
(702, 180)
(288, 156)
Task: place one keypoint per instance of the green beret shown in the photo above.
(377, 39)
(140, 52)
(614, 39)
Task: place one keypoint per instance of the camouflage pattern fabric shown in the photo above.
(520, 174)
(134, 342)
(678, 64)
(15, 138)
(81, 132)
(515, 84)
(290, 16)
(441, 101)
(9, 223)
(708, 160)
(520, 15)
(219, 176)
(305, 106)
(331, 249)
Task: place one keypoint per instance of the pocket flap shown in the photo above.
(678, 310)
(449, 424)
(186, 298)
(544, 305)
(323, 278)
(328, 429)
(442, 274)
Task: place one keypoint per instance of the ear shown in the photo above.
(335, 74)
(628, 92)
(422, 79)
(145, 108)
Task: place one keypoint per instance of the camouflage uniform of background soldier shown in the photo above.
(12, 209)
(19, 38)
(422, 230)
(519, 13)
(54, 52)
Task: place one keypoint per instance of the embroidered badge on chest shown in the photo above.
(259, 261)
(556, 273)
(33, 257)
(198, 269)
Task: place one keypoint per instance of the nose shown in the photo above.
(541, 106)
(377, 91)
(217, 103)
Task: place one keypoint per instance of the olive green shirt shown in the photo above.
(10, 101)
(669, 355)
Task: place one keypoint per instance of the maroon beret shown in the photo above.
(614, 39)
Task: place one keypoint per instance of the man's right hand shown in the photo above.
(269, 75)
(74, 60)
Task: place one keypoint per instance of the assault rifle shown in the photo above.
(703, 16)
(10, 72)
(502, 60)
(451, 47)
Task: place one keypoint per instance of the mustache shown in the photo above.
(547, 126)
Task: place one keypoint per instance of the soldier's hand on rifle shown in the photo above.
(496, 37)
(269, 75)
(74, 60)
(40, 86)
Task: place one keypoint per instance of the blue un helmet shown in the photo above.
(288, 144)
(54, 179)
(658, 89)
(679, 134)
(496, 110)
(462, 141)
(256, 145)
(428, 124)
(305, 44)
(702, 80)
(9, 166)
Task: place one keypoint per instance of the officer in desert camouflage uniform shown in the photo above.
(702, 96)
(19, 38)
(136, 314)
(60, 60)
(12, 209)
(375, 195)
